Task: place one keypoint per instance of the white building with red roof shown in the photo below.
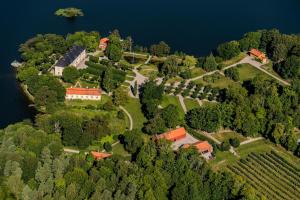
(83, 93)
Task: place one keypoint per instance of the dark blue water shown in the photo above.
(192, 26)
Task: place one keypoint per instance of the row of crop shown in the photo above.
(256, 183)
(292, 175)
(284, 162)
(282, 177)
(278, 168)
(262, 179)
(277, 185)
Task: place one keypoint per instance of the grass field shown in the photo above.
(216, 81)
(270, 174)
(248, 72)
(227, 135)
(118, 149)
(235, 59)
(167, 100)
(174, 80)
(196, 71)
(134, 108)
(191, 104)
(149, 70)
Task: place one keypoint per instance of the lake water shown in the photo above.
(192, 26)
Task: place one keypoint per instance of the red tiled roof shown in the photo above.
(104, 40)
(84, 91)
(173, 135)
(201, 146)
(100, 155)
(257, 53)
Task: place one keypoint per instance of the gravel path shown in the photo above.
(129, 116)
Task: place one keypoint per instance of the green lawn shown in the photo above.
(216, 80)
(227, 135)
(174, 80)
(118, 149)
(248, 72)
(191, 104)
(196, 71)
(149, 70)
(167, 100)
(134, 108)
(235, 59)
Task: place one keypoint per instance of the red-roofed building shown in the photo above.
(83, 93)
(103, 43)
(203, 147)
(258, 54)
(173, 135)
(100, 155)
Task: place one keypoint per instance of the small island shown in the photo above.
(69, 12)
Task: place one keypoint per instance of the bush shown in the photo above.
(94, 59)
(235, 142)
(107, 146)
(121, 115)
(225, 146)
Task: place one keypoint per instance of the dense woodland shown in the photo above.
(33, 165)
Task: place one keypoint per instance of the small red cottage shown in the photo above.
(100, 155)
(258, 54)
(203, 147)
(173, 135)
(103, 43)
(83, 93)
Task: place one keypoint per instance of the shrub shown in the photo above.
(225, 146)
(107, 146)
(121, 115)
(235, 142)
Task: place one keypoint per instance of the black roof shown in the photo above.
(70, 56)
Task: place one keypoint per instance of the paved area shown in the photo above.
(251, 140)
(181, 100)
(187, 140)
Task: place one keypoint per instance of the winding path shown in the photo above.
(129, 116)
(181, 100)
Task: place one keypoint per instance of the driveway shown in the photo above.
(187, 140)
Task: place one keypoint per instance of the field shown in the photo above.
(227, 135)
(235, 59)
(270, 174)
(134, 108)
(148, 70)
(191, 104)
(216, 80)
(196, 71)
(167, 100)
(248, 72)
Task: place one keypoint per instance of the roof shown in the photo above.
(257, 53)
(104, 40)
(100, 155)
(201, 146)
(70, 56)
(173, 134)
(84, 91)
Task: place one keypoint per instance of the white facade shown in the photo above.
(83, 97)
(58, 71)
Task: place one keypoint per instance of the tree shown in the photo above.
(25, 73)
(279, 52)
(135, 88)
(170, 115)
(70, 74)
(107, 146)
(235, 142)
(277, 133)
(133, 141)
(232, 73)
(189, 61)
(170, 67)
(120, 97)
(225, 146)
(88, 40)
(289, 68)
(114, 50)
(250, 40)
(210, 63)
(204, 118)
(107, 83)
(161, 49)
(228, 50)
